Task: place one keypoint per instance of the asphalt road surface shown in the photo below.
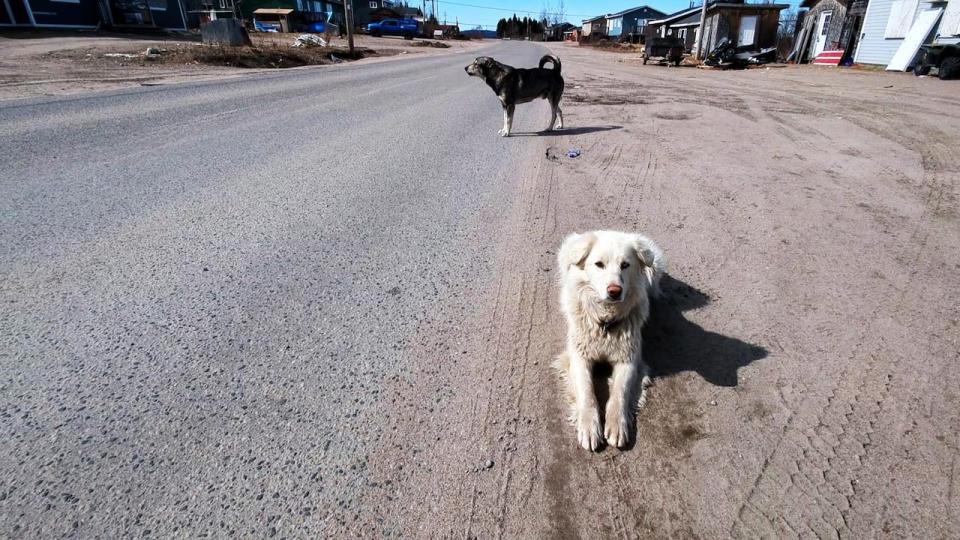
(209, 290)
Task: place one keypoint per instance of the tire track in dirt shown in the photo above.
(833, 445)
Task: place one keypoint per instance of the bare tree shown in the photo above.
(560, 15)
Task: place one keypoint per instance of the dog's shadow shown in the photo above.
(565, 131)
(672, 344)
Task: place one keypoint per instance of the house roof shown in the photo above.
(273, 11)
(677, 15)
(631, 10)
(715, 5)
(598, 17)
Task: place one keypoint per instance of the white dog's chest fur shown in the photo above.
(613, 345)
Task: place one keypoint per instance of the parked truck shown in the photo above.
(394, 27)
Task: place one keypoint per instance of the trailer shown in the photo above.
(665, 50)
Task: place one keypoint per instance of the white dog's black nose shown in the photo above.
(614, 291)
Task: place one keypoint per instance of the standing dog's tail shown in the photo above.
(551, 58)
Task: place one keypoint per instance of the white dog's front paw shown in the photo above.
(588, 429)
(617, 429)
(503, 133)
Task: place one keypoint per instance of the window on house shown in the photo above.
(373, 5)
(748, 29)
(157, 5)
(901, 17)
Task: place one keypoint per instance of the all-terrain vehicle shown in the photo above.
(946, 58)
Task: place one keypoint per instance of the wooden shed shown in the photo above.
(282, 17)
(742, 23)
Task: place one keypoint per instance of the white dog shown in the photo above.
(607, 278)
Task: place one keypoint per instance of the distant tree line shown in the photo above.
(515, 28)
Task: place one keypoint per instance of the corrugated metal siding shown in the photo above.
(873, 47)
(950, 23)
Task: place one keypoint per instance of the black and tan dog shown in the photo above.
(518, 85)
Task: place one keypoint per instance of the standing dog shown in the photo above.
(518, 85)
(607, 279)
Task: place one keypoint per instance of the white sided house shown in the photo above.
(888, 23)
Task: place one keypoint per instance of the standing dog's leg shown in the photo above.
(506, 122)
(553, 117)
(560, 114)
(620, 405)
(586, 413)
(509, 120)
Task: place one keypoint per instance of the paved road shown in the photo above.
(207, 290)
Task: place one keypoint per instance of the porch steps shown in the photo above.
(828, 58)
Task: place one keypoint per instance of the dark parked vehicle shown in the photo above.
(394, 27)
(946, 58)
(667, 49)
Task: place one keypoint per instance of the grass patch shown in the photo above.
(613, 46)
(269, 56)
(434, 44)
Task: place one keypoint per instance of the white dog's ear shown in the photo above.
(574, 250)
(654, 263)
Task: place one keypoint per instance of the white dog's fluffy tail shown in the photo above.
(562, 366)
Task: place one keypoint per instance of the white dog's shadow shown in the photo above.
(672, 344)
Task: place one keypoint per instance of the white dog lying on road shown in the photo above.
(607, 278)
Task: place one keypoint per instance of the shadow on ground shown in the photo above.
(565, 131)
(672, 344)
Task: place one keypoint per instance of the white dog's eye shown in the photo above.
(624, 265)
(599, 264)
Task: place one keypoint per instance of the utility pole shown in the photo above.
(701, 38)
(348, 15)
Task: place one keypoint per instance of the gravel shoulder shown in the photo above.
(54, 64)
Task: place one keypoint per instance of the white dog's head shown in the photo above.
(611, 272)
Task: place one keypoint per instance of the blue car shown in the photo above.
(394, 27)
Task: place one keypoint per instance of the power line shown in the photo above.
(512, 10)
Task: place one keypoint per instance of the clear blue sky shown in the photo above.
(471, 13)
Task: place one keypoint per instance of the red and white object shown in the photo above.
(828, 58)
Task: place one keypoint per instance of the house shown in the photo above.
(595, 28)
(127, 14)
(831, 27)
(204, 11)
(554, 32)
(368, 11)
(743, 24)
(630, 23)
(300, 11)
(683, 24)
(887, 22)
(572, 34)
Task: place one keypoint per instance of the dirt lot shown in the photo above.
(806, 359)
(55, 63)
